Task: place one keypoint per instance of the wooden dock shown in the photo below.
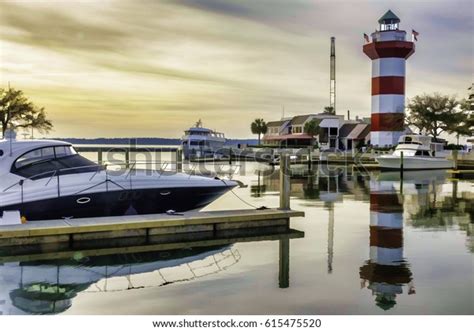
(58, 251)
(71, 231)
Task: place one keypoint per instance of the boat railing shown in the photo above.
(95, 169)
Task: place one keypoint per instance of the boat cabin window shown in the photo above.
(422, 153)
(409, 140)
(43, 162)
(43, 154)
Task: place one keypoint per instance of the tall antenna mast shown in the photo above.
(332, 76)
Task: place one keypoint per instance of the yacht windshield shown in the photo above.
(44, 162)
(406, 152)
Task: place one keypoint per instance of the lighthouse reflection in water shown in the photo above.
(387, 272)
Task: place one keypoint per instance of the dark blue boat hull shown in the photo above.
(119, 203)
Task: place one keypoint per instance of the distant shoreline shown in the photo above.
(143, 141)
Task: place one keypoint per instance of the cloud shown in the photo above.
(154, 67)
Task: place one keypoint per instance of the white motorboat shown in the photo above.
(201, 142)
(419, 152)
(47, 179)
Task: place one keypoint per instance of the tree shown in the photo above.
(259, 127)
(16, 111)
(329, 110)
(312, 128)
(432, 114)
(464, 123)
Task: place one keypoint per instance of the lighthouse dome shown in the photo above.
(389, 18)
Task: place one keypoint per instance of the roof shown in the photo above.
(199, 129)
(360, 131)
(388, 18)
(301, 119)
(277, 123)
(288, 136)
(346, 129)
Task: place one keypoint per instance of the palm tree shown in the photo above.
(259, 127)
(329, 110)
(312, 128)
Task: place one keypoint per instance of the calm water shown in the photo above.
(367, 245)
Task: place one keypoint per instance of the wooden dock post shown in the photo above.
(285, 181)
(284, 265)
(401, 164)
(127, 158)
(401, 172)
(455, 158)
(99, 156)
(179, 160)
(310, 158)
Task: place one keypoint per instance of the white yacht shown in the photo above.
(47, 179)
(419, 152)
(201, 142)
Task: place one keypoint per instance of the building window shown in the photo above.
(297, 129)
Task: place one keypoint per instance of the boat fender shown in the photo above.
(10, 217)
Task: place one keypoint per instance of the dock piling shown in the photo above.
(310, 158)
(284, 267)
(99, 156)
(401, 164)
(127, 158)
(179, 160)
(455, 159)
(285, 181)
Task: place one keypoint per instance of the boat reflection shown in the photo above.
(46, 280)
(48, 287)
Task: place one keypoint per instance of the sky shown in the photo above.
(149, 68)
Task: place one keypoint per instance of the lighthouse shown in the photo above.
(388, 49)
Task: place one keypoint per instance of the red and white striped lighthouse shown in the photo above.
(388, 51)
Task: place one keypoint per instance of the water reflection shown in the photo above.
(387, 271)
(47, 279)
(430, 200)
(426, 200)
(48, 287)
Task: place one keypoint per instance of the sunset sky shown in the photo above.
(153, 68)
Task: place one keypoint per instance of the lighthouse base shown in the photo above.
(385, 138)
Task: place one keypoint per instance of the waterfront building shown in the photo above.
(335, 132)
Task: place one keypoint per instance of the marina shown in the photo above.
(183, 164)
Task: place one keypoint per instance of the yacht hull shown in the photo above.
(391, 162)
(119, 203)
